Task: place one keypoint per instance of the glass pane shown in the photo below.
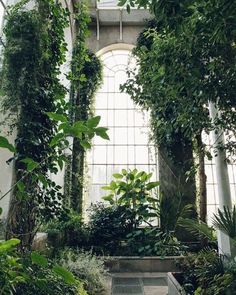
(121, 118)
(120, 78)
(131, 118)
(121, 154)
(110, 154)
(111, 133)
(99, 155)
(121, 136)
(99, 174)
(121, 101)
(141, 135)
(131, 137)
(141, 154)
(110, 118)
(140, 119)
(101, 101)
(131, 157)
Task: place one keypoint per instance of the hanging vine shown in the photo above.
(86, 75)
(35, 50)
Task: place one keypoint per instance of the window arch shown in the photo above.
(129, 146)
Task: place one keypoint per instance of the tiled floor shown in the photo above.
(139, 284)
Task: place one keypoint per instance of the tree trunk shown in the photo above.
(22, 215)
(177, 186)
(202, 179)
(77, 178)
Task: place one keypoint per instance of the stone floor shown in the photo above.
(139, 284)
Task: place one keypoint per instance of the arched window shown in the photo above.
(129, 146)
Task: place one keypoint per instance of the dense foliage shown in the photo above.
(88, 267)
(85, 76)
(191, 47)
(207, 273)
(34, 273)
(34, 98)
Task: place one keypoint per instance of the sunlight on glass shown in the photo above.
(129, 146)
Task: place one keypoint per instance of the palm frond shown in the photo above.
(197, 228)
(225, 221)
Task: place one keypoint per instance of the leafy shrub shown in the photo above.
(70, 231)
(33, 274)
(151, 241)
(206, 273)
(109, 226)
(134, 190)
(87, 267)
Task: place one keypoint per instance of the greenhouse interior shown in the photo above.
(118, 147)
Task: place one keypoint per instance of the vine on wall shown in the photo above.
(35, 50)
(86, 76)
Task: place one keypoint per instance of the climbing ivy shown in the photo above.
(85, 76)
(35, 100)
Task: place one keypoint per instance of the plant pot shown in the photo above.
(174, 287)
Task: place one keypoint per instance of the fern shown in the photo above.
(198, 228)
(225, 221)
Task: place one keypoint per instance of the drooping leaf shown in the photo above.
(93, 122)
(4, 143)
(8, 245)
(118, 175)
(57, 117)
(152, 185)
(39, 259)
(31, 164)
(85, 144)
(102, 132)
(21, 186)
(56, 139)
(65, 274)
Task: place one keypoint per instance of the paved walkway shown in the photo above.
(139, 284)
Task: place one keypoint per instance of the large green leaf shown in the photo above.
(102, 132)
(152, 185)
(39, 259)
(93, 122)
(8, 245)
(65, 274)
(57, 117)
(31, 164)
(4, 143)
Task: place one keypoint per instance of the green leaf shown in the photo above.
(21, 186)
(85, 144)
(118, 175)
(93, 122)
(102, 132)
(152, 185)
(124, 172)
(57, 117)
(31, 164)
(1, 211)
(43, 179)
(80, 126)
(65, 274)
(113, 185)
(106, 188)
(39, 259)
(8, 245)
(4, 143)
(56, 139)
(109, 199)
